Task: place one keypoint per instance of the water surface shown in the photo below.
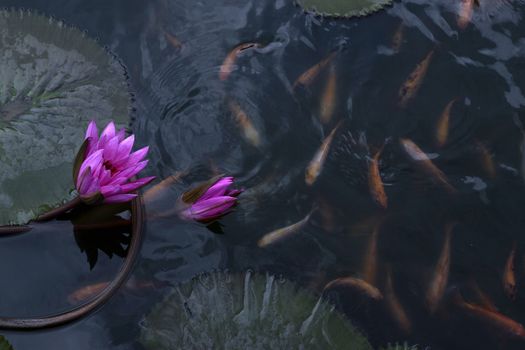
(181, 111)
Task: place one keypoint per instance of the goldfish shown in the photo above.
(356, 284)
(156, 190)
(92, 290)
(375, 184)
(86, 292)
(397, 38)
(228, 65)
(486, 159)
(307, 78)
(509, 274)
(328, 100)
(316, 164)
(483, 299)
(466, 8)
(411, 86)
(426, 164)
(396, 309)
(327, 214)
(173, 40)
(370, 262)
(440, 278)
(283, 232)
(443, 125)
(248, 130)
(493, 318)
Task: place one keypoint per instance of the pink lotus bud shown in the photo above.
(105, 166)
(210, 201)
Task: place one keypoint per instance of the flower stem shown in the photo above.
(13, 230)
(75, 202)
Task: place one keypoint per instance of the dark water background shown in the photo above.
(181, 112)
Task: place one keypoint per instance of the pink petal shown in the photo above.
(92, 135)
(132, 186)
(233, 193)
(91, 161)
(120, 198)
(121, 134)
(110, 149)
(82, 181)
(110, 190)
(218, 189)
(133, 158)
(125, 147)
(211, 208)
(120, 180)
(92, 130)
(109, 131)
(132, 171)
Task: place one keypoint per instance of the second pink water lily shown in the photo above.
(210, 201)
(105, 166)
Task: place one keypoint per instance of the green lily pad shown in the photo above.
(343, 8)
(246, 311)
(53, 80)
(4, 344)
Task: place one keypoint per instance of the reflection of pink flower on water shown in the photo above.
(108, 165)
(215, 201)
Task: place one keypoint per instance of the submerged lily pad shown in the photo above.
(4, 344)
(343, 8)
(53, 80)
(247, 311)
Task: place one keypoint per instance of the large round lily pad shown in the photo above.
(53, 80)
(247, 311)
(343, 8)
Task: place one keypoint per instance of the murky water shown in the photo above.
(173, 51)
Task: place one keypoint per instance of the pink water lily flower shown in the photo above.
(210, 201)
(105, 166)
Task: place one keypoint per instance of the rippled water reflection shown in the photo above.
(173, 51)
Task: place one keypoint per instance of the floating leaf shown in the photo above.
(343, 8)
(4, 344)
(53, 80)
(247, 311)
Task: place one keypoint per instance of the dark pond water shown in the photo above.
(182, 113)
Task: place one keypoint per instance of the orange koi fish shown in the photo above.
(437, 286)
(248, 130)
(282, 233)
(307, 78)
(466, 8)
(316, 164)
(356, 284)
(328, 100)
(487, 161)
(493, 319)
(397, 38)
(92, 290)
(443, 125)
(228, 65)
(509, 274)
(375, 184)
(483, 299)
(173, 40)
(155, 191)
(370, 262)
(411, 86)
(426, 164)
(396, 309)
